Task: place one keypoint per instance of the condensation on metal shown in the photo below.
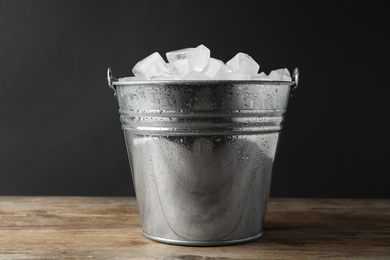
(201, 155)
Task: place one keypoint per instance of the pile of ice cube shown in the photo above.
(196, 64)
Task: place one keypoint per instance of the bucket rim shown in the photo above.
(202, 82)
(114, 82)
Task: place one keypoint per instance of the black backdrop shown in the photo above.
(59, 123)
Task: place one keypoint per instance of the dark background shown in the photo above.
(59, 123)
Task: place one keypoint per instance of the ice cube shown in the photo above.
(199, 58)
(195, 75)
(188, 59)
(178, 60)
(280, 74)
(260, 76)
(214, 67)
(129, 79)
(222, 71)
(165, 77)
(173, 56)
(158, 69)
(244, 64)
(153, 65)
(235, 76)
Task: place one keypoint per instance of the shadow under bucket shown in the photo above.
(201, 155)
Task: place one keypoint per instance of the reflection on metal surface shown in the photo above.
(201, 156)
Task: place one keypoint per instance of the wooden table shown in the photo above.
(109, 228)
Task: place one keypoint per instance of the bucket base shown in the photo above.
(201, 243)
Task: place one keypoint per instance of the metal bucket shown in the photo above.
(201, 155)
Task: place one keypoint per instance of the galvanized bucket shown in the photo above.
(201, 155)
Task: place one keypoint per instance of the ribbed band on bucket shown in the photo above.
(204, 122)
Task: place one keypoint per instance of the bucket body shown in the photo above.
(201, 156)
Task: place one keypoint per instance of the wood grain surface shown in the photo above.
(109, 228)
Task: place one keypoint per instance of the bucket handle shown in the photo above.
(295, 79)
(111, 79)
